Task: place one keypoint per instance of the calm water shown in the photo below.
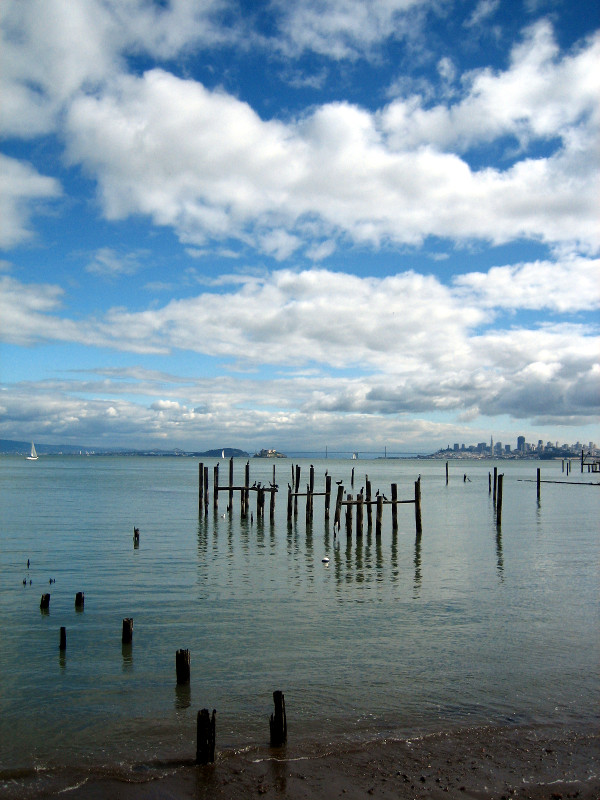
(396, 635)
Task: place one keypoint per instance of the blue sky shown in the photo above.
(273, 224)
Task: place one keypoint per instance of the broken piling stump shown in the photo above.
(278, 721)
(45, 602)
(205, 737)
(63, 639)
(127, 635)
(182, 666)
(79, 600)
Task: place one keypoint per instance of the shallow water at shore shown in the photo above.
(396, 636)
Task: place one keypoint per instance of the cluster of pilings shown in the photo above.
(363, 500)
(244, 491)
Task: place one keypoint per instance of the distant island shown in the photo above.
(11, 447)
(269, 454)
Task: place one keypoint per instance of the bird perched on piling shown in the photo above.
(339, 483)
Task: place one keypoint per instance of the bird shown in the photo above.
(339, 483)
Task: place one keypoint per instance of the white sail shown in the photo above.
(34, 455)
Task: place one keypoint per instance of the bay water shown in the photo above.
(398, 635)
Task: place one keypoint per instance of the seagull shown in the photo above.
(339, 483)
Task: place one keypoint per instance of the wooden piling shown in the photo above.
(246, 491)
(127, 635)
(495, 484)
(359, 514)
(349, 516)
(379, 515)
(278, 721)
(499, 502)
(205, 737)
(327, 495)
(79, 600)
(289, 503)
(63, 639)
(200, 486)
(296, 490)
(45, 602)
(182, 666)
(272, 504)
(394, 489)
(489, 482)
(446, 473)
(352, 479)
(231, 484)
(418, 524)
(539, 482)
(206, 490)
(368, 499)
(216, 486)
(337, 520)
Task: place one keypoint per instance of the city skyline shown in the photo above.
(352, 224)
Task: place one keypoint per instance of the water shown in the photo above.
(397, 635)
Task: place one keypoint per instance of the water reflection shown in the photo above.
(417, 583)
(183, 696)
(499, 556)
(127, 654)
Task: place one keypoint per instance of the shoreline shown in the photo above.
(533, 762)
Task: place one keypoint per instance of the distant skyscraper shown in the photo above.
(520, 443)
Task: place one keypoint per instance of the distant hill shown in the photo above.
(12, 447)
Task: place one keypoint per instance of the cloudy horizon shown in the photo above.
(352, 225)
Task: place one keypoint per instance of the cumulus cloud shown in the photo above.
(342, 171)
(23, 190)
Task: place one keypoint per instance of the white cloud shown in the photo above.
(52, 49)
(343, 171)
(345, 29)
(109, 263)
(23, 189)
(482, 13)
(569, 285)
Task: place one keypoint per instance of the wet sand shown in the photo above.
(500, 763)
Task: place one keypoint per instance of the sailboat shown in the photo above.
(222, 453)
(34, 455)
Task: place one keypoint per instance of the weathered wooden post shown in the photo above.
(205, 737)
(231, 484)
(311, 481)
(127, 635)
(327, 495)
(563, 466)
(337, 520)
(200, 486)
(296, 490)
(394, 506)
(359, 514)
(63, 639)
(418, 525)
(272, 503)
(539, 482)
(278, 721)
(352, 479)
(45, 602)
(489, 482)
(308, 499)
(368, 499)
(379, 515)
(206, 490)
(499, 502)
(289, 503)
(495, 484)
(446, 473)
(182, 666)
(246, 491)
(582, 459)
(349, 515)
(216, 486)
(79, 600)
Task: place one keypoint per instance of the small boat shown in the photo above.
(222, 453)
(34, 455)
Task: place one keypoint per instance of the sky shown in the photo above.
(352, 224)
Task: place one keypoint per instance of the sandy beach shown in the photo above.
(482, 763)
